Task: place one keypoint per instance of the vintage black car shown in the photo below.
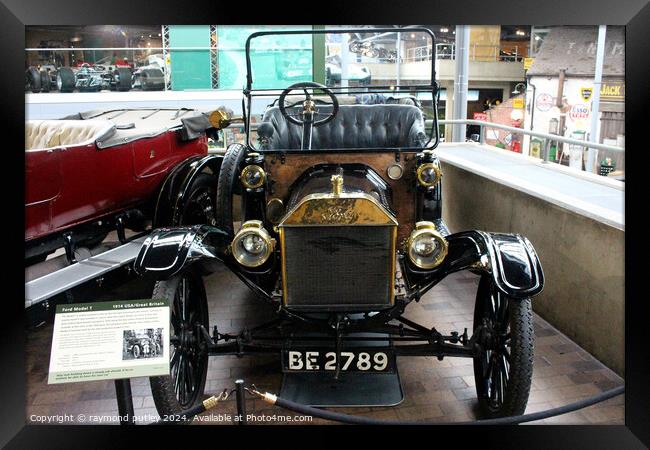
(341, 230)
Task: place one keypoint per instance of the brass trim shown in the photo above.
(283, 264)
(422, 167)
(249, 168)
(344, 209)
(337, 184)
(425, 227)
(309, 106)
(395, 177)
(255, 227)
(220, 119)
(275, 220)
(393, 266)
(338, 209)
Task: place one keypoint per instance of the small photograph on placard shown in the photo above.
(147, 343)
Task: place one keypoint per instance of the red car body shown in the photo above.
(68, 185)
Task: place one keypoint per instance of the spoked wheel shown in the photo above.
(185, 385)
(504, 367)
(199, 208)
(136, 351)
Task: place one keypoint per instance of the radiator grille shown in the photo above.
(346, 268)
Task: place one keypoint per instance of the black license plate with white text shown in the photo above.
(378, 359)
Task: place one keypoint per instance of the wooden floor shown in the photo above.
(434, 390)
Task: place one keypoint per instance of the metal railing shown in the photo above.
(423, 53)
(547, 138)
(477, 52)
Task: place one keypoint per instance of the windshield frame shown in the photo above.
(432, 87)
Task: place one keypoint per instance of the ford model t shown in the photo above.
(340, 230)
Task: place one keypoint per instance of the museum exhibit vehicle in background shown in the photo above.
(126, 170)
(105, 74)
(151, 76)
(341, 229)
(83, 77)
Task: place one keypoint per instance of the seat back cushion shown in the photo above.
(355, 126)
(41, 134)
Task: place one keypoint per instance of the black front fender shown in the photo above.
(168, 250)
(510, 259)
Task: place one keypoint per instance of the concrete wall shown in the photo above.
(483, 70)
(498, 71)
(583, 259)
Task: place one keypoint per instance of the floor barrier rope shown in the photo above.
(211, 402)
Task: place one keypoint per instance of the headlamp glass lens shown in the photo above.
(254, 244)
(253, 177)
(425, 245)
(428, 175)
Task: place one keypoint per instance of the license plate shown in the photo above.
(352, 360)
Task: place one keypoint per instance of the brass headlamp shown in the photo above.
(426, 247)
(253, 176)
(252, 245)
(428, 174)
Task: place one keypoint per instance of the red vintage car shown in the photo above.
(99, 171)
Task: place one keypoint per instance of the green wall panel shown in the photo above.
(190, 69)
(277, 61)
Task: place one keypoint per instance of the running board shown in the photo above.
(47, 286)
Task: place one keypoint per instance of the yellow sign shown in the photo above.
(518, 103)
(528, 62)
(613, 91)
(586, 92)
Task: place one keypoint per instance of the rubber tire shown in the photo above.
(45, 81)
(521, 354)
(124, 83)
(147, 85)
(228, 185)
(67, 79)
(35, 80)
(137, 354)
(162, 388)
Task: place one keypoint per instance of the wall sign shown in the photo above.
(528, 62)
(585, 93)
(480, 116)
(544, 102)
(613, 91)
(579, 111)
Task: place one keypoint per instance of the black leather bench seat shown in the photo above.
(355, 126)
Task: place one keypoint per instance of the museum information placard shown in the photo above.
(110, 340)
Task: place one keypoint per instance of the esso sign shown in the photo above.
(579, 111)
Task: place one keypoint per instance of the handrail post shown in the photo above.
(546, 150)
(481, 134)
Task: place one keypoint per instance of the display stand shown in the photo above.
(124, 401)
(351, 390)
(241, 401)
